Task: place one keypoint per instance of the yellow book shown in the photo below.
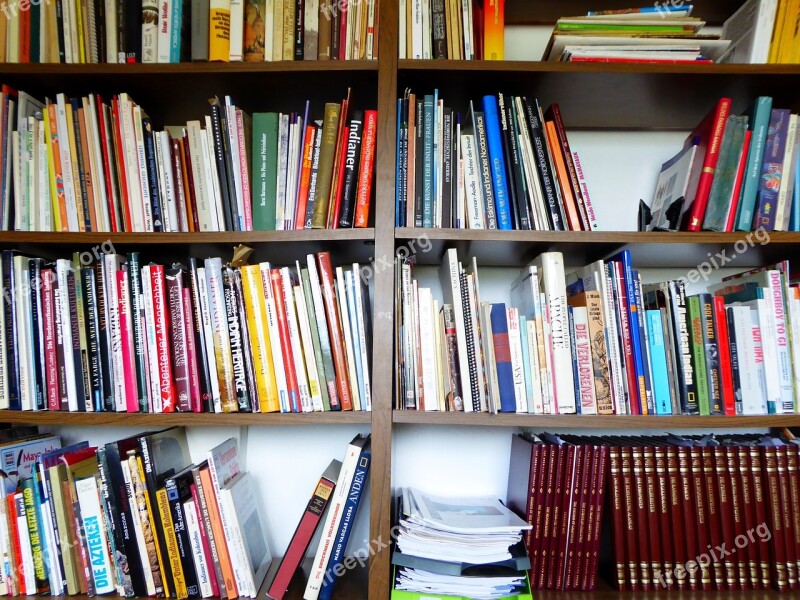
(777, 32)
(79, 26)
(260, 344)
(790, 42)
(51, 172)
(76, 179)
(149, 534)
(288, 30)
(219, 34)
(172, 544)
(493, 30)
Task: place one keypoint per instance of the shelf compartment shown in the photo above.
(648, 249)
(63, 418)
(548, 422)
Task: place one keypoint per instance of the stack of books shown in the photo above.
(506, 165)
(558, 484)
(763, 31)
(173, 31)
(84, 164)
(734, 173)
(704, 513)
(464, 547)
(134, 517)
(599, 341)
(338, 492)
(452, 29)
(121, 335)
(664, 33)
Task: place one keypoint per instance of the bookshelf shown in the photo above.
(637, 97)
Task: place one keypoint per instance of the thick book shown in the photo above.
(498, 163)
(352, 165)
(719, 198)
(330, 130)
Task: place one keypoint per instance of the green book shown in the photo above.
(759, 115)
(697, 320)
(264, 174)
(720, 197)
(327, 156)
(324, 369)
(30, 495)
(630, 29)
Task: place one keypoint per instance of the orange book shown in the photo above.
(57, 173)
(493, 30)
(366, 166)
(219, 533)
(25, 36)
(188, 187)
(305, 178)
(563, 177)
(335, 328)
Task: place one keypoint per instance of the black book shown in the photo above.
(37, 332)
(335, 24)
(152, 174)
(299, 24)
(104, 339)
(712, 354)
(439, 28)
(100, 20)
(418, 144)
(735, 372)
(222, 157)
(134, 273)
(683, 336)
(543, 167)
(80, 375)
(132, 30)
(81, 162)
(203, 372)
(485, 169)
(352, 161)
(125, 540)
(514, 164)
(90, 307)
(447, 167)
(402, 163)
(179, 491)
(235, 320)
(314, 178)
(473, 345)
(112, 515)
(60, 30)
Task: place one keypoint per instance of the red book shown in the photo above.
(786, 515)
(195, 395)
(645, 566)
(737, 184)
(342, 33)
(618, 503)
(578, 545)
(49, 327)
(569, 506)
(589, 578)
(794, 495)
(126, 340)
(728, 511)
(18, 573)
(548, 564)
(305, 178)
(701, 515)
(554, 114)
(676, 515)
(119, 154)
(188, 181)
(629, 506)
(175, 285)
(334, 328)
(640, 61)
(710, 131)
(664, 515)
(333, 222)
(212, 575)
(760, 504)
(772, 496)
(725, 369)
(653, 519)
(105, 145)
(175, 156)
(366, 168)
(734, 479)
(713, 515)
(689, 519)
(24, 34)
(308, 524)
(545, 479)
(286, 343)
(162, 326)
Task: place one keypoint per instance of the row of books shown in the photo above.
(558, 484)
(83, 164)
(334, 505)
(763, 31)
(121, 335)
(734, 172)
(134, 517)
(704, 514)
(172, 31)
(599, 341)
(508, 165)
(452, 29)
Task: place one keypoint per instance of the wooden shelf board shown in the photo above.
(594, 421)
(55, 418)
(526, 66)
(351, 586)
(190, 68)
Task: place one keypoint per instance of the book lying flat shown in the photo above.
(519, 561)
(403, 595)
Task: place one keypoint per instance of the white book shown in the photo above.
(537, 406)
(363, 314)
(750, 31)
(196, 543)
(95, 532)
(275, 338)
(212, 175)
(426, 29)
(794, 318)
(461, 196)
(170, 190)
(112, 40)
(150, 35)
(283, 158)
(472, 183)
(764, 336)
(750, 363)
(66, 164)
(208, 334)
(431, 392)
(450, 277)
(782, 212)
(111, 264)
(24, 536)
(344, 315)
(161, 179)
(371, 14)
(152, 346)
(517, 369)
(762, 407)
(131, 162)
(319, 311)
(417, 32)
(45, 201)
(333, 518)
(165, 26)
(290, 203)
(194, 136)
(24, 334)
(583, 353)
(63, 267)
(233, 145)
(350, 287)
(294, 338)
(466, 27)
(236, 53)
(96, 157)
(138, 529)
(269, 28)
(147, 206)
(308, 348)
(20, 201)
(551, 277)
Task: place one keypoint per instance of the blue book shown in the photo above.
(399, 212)
(498, 162)
(772, 170)
(648, 377)
(658, 362)
(175, 33)
(347, 521)
(794, 220)
(576, 381)
(759, 126)
(427, 161)
(502, 358)
(526, 361)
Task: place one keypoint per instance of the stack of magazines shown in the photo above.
(463, 547)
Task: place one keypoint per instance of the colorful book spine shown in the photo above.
(759, 126)
(772, 169)
(698, 352)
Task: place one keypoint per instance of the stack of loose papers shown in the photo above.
(468, 531)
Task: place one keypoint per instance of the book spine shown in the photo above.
(219, 23)
(176, 319)
(249, 402)
(167, 385)
(544, 168)
(196, 545)
(281, 318)
(351, 170)
(330, 130)
(207, 536)
(174, 494)
(171, 546)
(104, 334)
(698, 353)
(222, 344)
(726, 347)
(49, 310)
(93, 339)
(497, 163)
(772, 169)
(139, 336)
(334, 325)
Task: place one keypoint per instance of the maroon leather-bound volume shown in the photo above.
(618, 520)
(713, 518)
(729, 513)
(558, 551)
(772, 497)
(544, 479)
(786, 513)
(590, 579)
(579, 545)
(568, 563)
(640, 510)
(749, 576)
(689, 518)
(586, 536)
(552, 510)
(631, 549)
(758, 479)
(700, 513)
(794, 494)
(664, 515)
(653, 512)
(679, 580)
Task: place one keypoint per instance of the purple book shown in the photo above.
(772, 170)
